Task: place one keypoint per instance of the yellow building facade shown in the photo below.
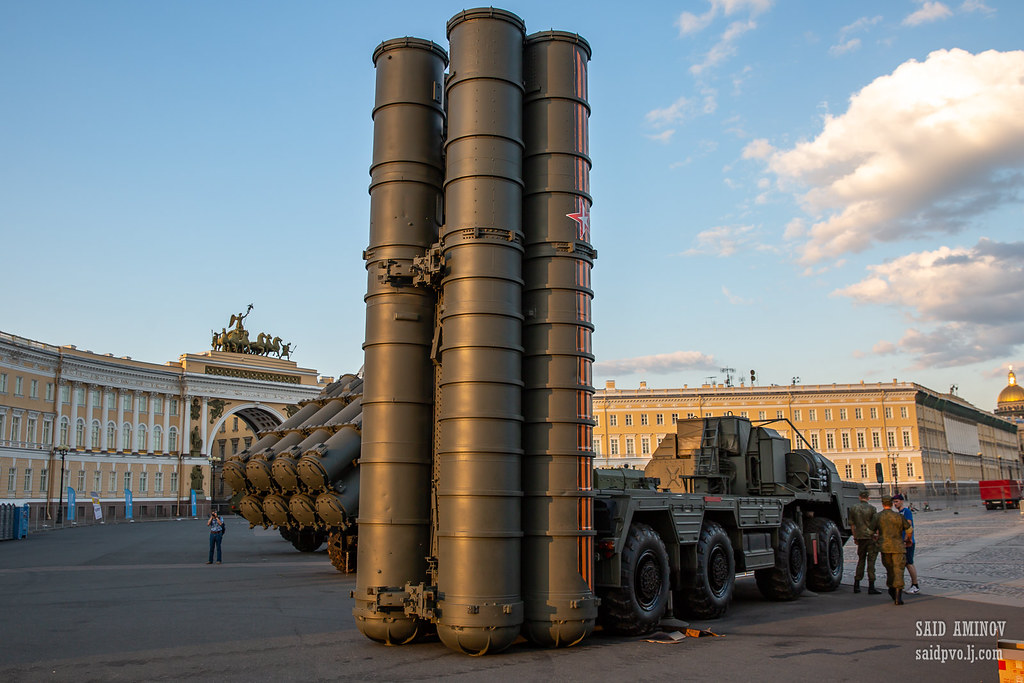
(118, 423)
(925, 442)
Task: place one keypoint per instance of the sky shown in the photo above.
(819, 192)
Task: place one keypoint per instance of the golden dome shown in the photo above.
(1012, 393)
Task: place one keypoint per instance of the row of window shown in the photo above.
(31, 429)
(222, 446)
(798, 415)
(893, 471)
(127, 480)
(141, 433)
(127, 399)
(830, 442)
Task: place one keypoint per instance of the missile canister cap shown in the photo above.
(566, 36)
(408, 41)
(485, 13)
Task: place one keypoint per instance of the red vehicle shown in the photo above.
(1000, 493)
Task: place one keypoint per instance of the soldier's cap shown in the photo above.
(886, 500)
(898, 496)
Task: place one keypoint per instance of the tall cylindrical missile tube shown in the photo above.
(396, 459)
(479, 489)
(558, 536)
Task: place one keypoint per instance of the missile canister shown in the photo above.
(396, 460)
(558, 536)
(234, 467)
(479, 488)
(324, 463)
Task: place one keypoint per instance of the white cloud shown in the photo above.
(666, 116)
(929, 11)
(735, 299)
(843, 47)
(848, 44)
(692, 23)
(724, 48)
(920, 151)
(659, 364)
(664, 136)
(723, 240)
(976, 6)
(968, 300)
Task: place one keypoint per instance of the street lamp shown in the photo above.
(60, 493)
(894, 467)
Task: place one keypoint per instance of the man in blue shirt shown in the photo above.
(899, 504)
(216, 525)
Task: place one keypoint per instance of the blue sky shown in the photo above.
(829, 191)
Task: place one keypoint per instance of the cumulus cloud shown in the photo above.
(928, 12)
(921, 151)
(674, 113)
(658, 364)
(846, 42)
(972, 296)
(664, 136)
(976, 6)
(723, 240)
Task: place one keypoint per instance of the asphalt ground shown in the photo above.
(138, 602)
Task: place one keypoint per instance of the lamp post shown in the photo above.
(60, 492)
(894, 467)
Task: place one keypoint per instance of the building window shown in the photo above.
(44, 478)
(906, 440)
(143, 404)
(12, 473)
(630, 447)
(645, 446)
(126, 436)
(128, 480)
(112, 482)
(47, 431)
(140, 438)
(876, 440)
(111, 435)
(65, 394)
(158, 482)
(743, 413)
(812, 415)
(629, 419)
(863, 471)
(860, 439)
(80, 433)
(761, 415)
(94, 396)
(845, 440)
(174, 407)
(613, 420)
(888, 412)
(80, 395)
(234, 446)
(830, 441)
(49, 391)
(675, 418)
(223, 428)
(659, 419)
(234, 424)
(858, 414)
(874, 413)
(614, 443)
(143, 482)
(3, 382)
(797, 415)
(19, 384)
(891, 438)
(643, 419)
(33, 389)
(158, 438)
(30, 436)
(172, 439)
(691, 416)
(910, 469)
(828, 414)
(126, 401)
(94, 435)
(111, 400)
(15, 428)
(65, 427)
(842, 413)
(27, 484)
(96, 481)
(222, 444)
(248, 442)
(814, 441)
(903, 412)
(597, 446)
(895, 470)
(779, 415)
(174, 481)
(81, 480)
(158, 405)
(849, 472)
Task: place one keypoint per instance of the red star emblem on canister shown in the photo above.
(582, 216)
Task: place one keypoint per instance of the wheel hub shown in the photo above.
(648, 580)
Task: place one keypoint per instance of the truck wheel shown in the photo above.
(787, 579)
(825, 576)
(638, 604)
(308, 540)
(707, 591)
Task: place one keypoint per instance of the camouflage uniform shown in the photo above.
(862, 521)
(891, 526)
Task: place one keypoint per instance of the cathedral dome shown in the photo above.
(1013, 393)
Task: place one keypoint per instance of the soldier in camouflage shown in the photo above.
(862, 523)
(891, 526)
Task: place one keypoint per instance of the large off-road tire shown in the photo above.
(707, 591)
(827, 574)
(788, 578)
(639, 603)
(308, 540)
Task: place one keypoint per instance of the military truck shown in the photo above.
(721, 496)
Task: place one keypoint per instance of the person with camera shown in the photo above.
(216, 525)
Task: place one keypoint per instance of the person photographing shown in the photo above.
(216, 525)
